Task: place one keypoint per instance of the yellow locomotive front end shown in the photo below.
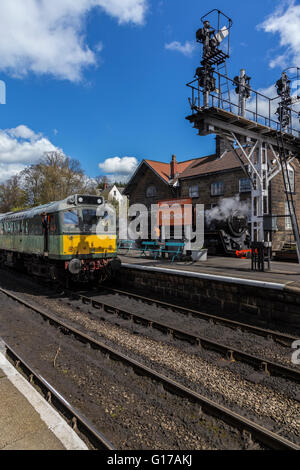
(88, 238)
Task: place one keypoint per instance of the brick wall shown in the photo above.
(278, 200)
(204, 182)
(267, 307)
(145, 178)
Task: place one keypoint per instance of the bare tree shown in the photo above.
(54, 178)
(12, 195)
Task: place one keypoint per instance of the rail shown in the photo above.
(79, 422)
(282, 338)
(210, 407)
(232, 354)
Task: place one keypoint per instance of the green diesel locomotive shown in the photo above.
(69, 239)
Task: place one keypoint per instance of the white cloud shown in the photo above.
(119, 169)
(20, 147)
(125, 10)
(285, 21)
(23, 132)
(261, 106)
(186, 49)
(47, 36)
(8, 170)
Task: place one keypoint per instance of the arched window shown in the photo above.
(151, 191)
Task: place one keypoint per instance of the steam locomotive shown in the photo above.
(227, 236)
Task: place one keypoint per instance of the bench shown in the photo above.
(171, 248)
(126, 245)
(151, 247)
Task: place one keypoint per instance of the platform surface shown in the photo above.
(27, 421)
(281, 272)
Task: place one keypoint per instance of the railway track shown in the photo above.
(282, 338)
(259, 433)
(78, 422)
(231, 354)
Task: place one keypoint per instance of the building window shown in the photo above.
(288, 222)
(194, 191)
(274, 224)
(151, 191)
(245, 185)
(217, 189)
(291, 177)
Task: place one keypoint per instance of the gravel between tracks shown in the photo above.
(132, 411)
(200, 370)
(245, 341)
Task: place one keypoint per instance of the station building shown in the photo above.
(208, 180)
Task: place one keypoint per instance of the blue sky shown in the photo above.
(102, 84)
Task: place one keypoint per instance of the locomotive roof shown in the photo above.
(49, 208)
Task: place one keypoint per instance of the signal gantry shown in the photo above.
(249, 124)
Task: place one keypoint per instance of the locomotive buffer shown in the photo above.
(246, 119)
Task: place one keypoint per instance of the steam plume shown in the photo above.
(226, 208)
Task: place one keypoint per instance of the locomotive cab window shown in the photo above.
(53, 224)
(81, 220)
(89, 219)
(35, 226)
(71, 218)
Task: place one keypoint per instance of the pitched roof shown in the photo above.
(164, 169)
(199, 166)
(194, 167)
(212, 164)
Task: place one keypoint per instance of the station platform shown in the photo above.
(282, 274)
(27, 421)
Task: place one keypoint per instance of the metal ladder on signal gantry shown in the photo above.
(288, 190)
(224, 88)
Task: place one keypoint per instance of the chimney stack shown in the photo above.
(221, 146)
(174, 168)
